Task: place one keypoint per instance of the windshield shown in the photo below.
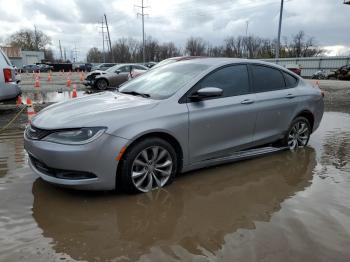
(113, 68)
(163, 82)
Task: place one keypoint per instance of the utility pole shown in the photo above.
(142, 14)
(109, 39)
(36, 38)
(103, 41)
(59, 42)
(75, 53)
(279, 32)
(246, 38)
(246, 28)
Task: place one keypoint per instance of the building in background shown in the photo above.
(19, 57)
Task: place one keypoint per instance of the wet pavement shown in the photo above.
(290, 206)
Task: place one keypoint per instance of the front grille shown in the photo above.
(60, 173)
(35, 133)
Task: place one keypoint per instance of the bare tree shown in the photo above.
(31, 40)
(94, 55)
(151, 49)
(302, 46)
(195, 46)
(48, 54)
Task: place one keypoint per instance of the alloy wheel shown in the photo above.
(298, 135)
(151, 168)
(102, 84)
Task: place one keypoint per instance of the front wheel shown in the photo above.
(149, 164)
(298, 134)
(102, 84)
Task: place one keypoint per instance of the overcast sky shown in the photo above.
(77, 22)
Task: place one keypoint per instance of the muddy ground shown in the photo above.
(290, 206)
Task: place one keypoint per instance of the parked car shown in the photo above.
(85, 67)
(342, 73)
(294, 68)
(175, 59)
(150, 64)
(114, 76)
(103, 67)
(175, 118)
(9, 88)
(320, 74)
(31, 68)
(45, 67)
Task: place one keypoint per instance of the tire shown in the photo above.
(148, 164)
(298, 134)
(101, 84)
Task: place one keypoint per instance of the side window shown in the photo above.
(138, 67)
(123, 69)
(267, 79)
(291, 81)
(233, 80)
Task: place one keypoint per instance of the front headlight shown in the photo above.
(75, 136)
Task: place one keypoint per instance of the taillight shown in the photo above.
(7, 75)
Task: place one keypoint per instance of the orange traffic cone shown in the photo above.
(74, 93)
(69, 82)
(30, 110)
(49, 77)
(37, 82)
(81, 77)
(19, 101)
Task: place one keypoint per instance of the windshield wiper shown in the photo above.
(134, 93)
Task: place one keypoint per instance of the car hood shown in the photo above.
(100, 109)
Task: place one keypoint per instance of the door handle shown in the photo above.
(290, 96)
(247, 101)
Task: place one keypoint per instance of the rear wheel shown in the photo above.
(102, 84)
(149, 164)
(298, 134)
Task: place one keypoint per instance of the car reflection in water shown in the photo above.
(195, 213)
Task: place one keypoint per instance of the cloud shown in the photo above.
(75, 22)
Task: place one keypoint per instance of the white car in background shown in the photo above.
(9, 88)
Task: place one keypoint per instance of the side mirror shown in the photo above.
(117, 71)
(206, 92)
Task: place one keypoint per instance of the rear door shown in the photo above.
(222, 125)
(276, 101)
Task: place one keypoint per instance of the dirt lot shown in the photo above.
(290, 206)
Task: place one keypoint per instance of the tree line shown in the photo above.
(130, 49)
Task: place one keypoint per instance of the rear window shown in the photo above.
(291, 81)
(7, 61)
(267, 79)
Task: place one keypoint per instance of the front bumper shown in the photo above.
(98, 159)
(89, 83)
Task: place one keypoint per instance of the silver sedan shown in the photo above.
(179, 117)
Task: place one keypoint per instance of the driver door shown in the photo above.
(121, 75)
(222, 125)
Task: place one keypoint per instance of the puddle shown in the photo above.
(290, 206)
(41, 97)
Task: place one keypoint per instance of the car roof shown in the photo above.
(220, 61)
